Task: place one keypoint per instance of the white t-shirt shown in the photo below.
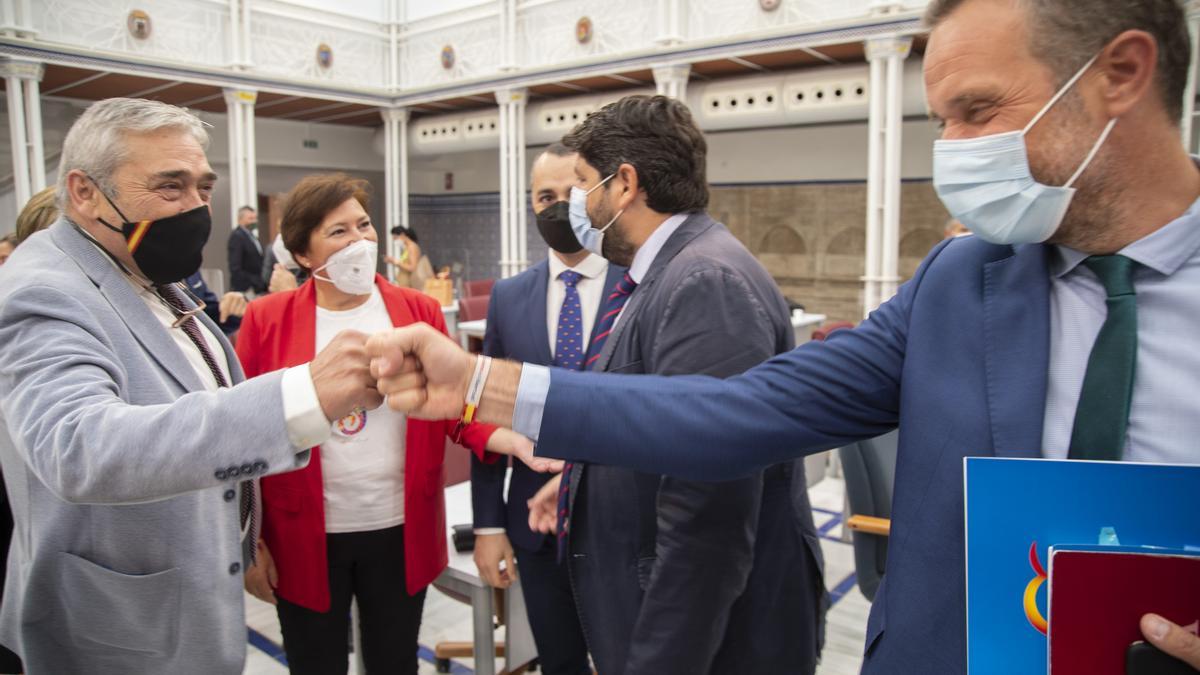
(362, 463)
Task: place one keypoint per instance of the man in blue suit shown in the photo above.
(523, 319)
(1064, 329)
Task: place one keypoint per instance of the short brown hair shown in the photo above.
(1064, 34)
(311, 200)
(39, 212)
(656, 135)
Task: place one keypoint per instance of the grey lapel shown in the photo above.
(124, 299)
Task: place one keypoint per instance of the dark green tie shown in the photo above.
(1103, 413)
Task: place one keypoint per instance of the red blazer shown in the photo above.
(279, 331)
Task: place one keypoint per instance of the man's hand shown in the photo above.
(506, 442)
(261, 578)
(490, 551)
(422, 372)
(1179, 642)
(341, 374)
(543, 507)
(232, 304)
(281, 279)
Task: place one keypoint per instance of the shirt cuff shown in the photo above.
(531, 401)
(480, 531)
(306, 423)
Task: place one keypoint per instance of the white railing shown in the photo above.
(283, 37)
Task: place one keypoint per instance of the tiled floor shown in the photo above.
(446, 619)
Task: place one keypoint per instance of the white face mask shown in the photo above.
(986, 183)
(282, 255)
(591, 238)
(352, 269)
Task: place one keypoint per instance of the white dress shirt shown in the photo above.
(591, 293)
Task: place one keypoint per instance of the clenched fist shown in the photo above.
(422, 372)
(341, 374)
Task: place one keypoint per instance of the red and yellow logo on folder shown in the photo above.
(1032, 612)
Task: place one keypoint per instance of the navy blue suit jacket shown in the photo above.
(516, 329)
(957, 360)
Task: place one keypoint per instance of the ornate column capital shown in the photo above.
(240, 96)
(26, 70)
(394, 114)
(881, 48)
(513, 96)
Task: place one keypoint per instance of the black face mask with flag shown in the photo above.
(169, 249)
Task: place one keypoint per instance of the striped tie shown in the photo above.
(191, 327)
(612, 309)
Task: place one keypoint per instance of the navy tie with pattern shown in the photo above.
(568, 345)
(612, 310)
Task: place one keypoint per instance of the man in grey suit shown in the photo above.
(129, 442)
(679, 576)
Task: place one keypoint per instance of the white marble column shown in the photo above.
(395, 152)
(884, 127)
(513, 215)
(22, 81)
(243, 173)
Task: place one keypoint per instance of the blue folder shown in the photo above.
(1016, 509)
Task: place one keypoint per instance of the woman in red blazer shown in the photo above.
(366, 518)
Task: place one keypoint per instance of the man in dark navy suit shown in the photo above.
(523, 323)
(246, 254)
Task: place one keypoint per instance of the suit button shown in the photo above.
(220, 474)
(247, 469)
(235, 568)
(229, 495)
(233, 472)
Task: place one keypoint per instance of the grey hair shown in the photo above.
(95, 144)
(1066, 33)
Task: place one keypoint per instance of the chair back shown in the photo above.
(870, 470)
(482, 287)
(473, 308)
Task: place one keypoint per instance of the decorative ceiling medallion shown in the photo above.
(769, 5)
(138, 23)
(583, 30)
(447, 57)
(324, 56)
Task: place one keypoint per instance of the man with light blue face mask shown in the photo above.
(1064, 329)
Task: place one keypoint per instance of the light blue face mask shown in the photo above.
(986, 182)
(591, 238)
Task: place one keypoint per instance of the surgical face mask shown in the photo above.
(282, 255)
(591, 238)
(166, 250)
(352, 269)
(986, 183)
(554, 224)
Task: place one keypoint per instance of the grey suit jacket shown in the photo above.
(677, 576)
(122, 472)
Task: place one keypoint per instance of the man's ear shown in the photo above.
(82, 194)
(628, 176)
(1128, 65)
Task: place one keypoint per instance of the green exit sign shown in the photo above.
(310, 143)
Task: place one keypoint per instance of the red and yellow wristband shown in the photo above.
(483, 367)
